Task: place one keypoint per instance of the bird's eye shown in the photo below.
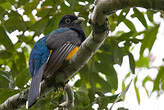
(68, 21)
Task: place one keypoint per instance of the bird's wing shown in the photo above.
(38, 56)
(34, 90)
(57, 57)
(56, 40)
(62, 43)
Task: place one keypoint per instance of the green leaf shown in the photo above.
(51, 3)
(113, 21)
(121, 95)
(4, 80)
(22, 78)
(6, 93)
(28, 40)
(45, 12)
(39, 26)
(18, 65)
(5, 54)
(5, 40)
(146, 79)
(82, 96)
(52, 23)
(95, 81)
(118, 55)
(73, 3)
(3, 1)
(5, 4)
(103, 101)
(159, 80)
(2, 13)
(66, 9)
(107, 68)
(123, 15)
(126, 35)
(143, 62)
(122, 108)
(21, 2)
(136, 90)
(132, 63)
(150, 15)
(29, 6)
(15, 22)
(123, 88)
(130, 25)
(140, 16)
(149, 38)
(107, 99)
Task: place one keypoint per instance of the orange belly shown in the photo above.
(72, 53)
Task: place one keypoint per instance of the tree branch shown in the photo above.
(89, 46)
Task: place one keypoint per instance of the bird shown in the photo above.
(49, 53)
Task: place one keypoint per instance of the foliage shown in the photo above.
(32, 18)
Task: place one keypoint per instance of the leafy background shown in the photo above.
(32, 19)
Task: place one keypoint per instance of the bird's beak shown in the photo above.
(79, 20)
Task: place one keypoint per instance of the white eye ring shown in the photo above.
(67, 20)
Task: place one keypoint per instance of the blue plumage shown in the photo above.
(40, 52)
(38, 56)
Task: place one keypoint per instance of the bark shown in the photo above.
(88, 48)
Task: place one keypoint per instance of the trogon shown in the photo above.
(49, 53)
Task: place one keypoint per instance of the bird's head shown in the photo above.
(70, 21)
(73, 22)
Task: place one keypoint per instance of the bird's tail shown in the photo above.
(34, 90)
